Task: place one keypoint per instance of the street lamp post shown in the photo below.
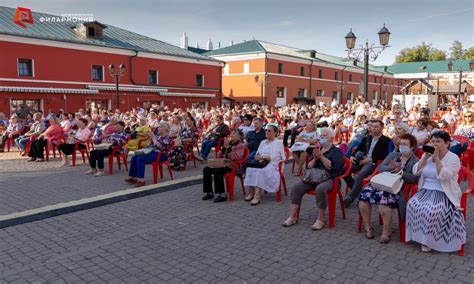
(261, 82)
(450, 67)
(368, 53)
(116, 75)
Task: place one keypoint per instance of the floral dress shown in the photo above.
(178, 155)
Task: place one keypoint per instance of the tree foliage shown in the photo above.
(422, 52)
(426, 52)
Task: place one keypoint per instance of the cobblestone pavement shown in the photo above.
(27, 185)
(177, 237)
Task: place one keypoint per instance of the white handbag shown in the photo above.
(389, 182)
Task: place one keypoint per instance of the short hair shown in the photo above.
(220, 117)
(121, 123)
(329, 131)
(410, 138)
(240, 133)
(83, 120)
(274, 128)
(165, 125)
(377, 121)
(442, 135)
(258, 119)
(403, 126)
(423, 121)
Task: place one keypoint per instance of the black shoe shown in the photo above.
(220, 198)
(347, 201)
(208, 196)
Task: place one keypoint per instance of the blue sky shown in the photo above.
(306, 24)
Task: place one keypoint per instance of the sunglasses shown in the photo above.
(269, 130)
(468, 116)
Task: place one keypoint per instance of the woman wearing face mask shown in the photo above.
(325, 156)
(404, 159)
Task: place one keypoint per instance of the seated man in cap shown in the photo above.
(247, 125)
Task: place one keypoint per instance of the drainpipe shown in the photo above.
(131, 66)
(266, 79)
(220, 86)
(311, 79)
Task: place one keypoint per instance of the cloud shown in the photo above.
(285, 23)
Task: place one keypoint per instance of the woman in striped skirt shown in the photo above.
(433, 216)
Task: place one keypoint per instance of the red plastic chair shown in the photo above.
(84, 152)
(199, 139)
(159, 165)
(121, 158)
(55, 142)
(230, 177)
(334, 193)
(189, 150)
(282, 174)
(468, 175)
(218, 146)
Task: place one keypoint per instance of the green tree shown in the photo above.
(422, 52)
(457, 52)
(469, 54)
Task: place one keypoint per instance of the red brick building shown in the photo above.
(259, 71)
(54, 65)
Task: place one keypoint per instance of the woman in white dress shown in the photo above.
(267, 178)
(434, 218)
(304, 140)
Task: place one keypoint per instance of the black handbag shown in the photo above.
(257, 164)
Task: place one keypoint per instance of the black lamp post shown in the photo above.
(367, 52)
(451, 68)
(116, 75)
(262, 82)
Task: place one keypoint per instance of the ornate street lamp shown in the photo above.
(116, 75)
(366, 52)
(262, 82)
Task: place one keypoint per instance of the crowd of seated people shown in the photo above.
(318, 137)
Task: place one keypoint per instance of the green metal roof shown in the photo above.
(428, 66)
(244, 47)
(264, 46)
(113, 36)
(197, 50)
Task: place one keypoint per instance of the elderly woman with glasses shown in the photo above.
(325, 156)
(266, 178)
(466, 128)
(161, 142)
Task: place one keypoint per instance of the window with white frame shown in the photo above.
(280, 92)
(97, 73)
(319, 93)
(246, 68)
(153, 77)
(25, 67)
(199, 80)
(302, 93)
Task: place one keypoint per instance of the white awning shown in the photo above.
(46, 90)
(127, 89)
(195, 95)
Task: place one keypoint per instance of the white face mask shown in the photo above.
(404, 149)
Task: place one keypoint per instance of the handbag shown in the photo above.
(257, 164)
(103, 146)
(315, 176)
(389, 182)
(143, 151)
(219, 163)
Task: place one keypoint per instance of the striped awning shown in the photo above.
(127, 89)
(46, 90)
(194, 95)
